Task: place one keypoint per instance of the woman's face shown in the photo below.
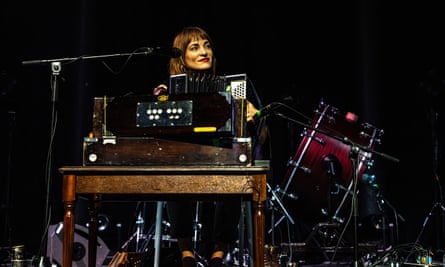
(199, 55)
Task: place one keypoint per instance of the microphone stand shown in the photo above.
(353, 154)
(144, 51)
(56, 68)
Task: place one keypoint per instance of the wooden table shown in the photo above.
(100, 183)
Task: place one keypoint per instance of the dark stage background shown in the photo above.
(383, 61)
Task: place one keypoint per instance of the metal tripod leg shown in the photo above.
(425, 222)
(201, 260)
(158, 237)
(340, 206)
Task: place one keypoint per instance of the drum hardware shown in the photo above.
(335, 217)
(332, 165)
(327, 230)
(275, 224)
(327, 212)
(277, 199)
(316, 138)
(292, 163)
(337, 149)
(333, 168)
(288, 195)
(351, 142)
(354, 155)
(348, 192)
(281, 205)
(330, 231)
(296, 164)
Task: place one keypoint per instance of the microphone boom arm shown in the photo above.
(144, 51)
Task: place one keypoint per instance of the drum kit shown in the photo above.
(323, 159)
(322, 178)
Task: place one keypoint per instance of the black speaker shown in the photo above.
(80, 248)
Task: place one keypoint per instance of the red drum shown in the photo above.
(321, 170)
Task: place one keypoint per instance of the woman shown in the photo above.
(220, 228)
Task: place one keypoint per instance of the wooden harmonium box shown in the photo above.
(205, 114)
(185, 129)
(150, 151)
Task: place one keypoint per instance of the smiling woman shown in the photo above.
(198, 57)
(220, 219)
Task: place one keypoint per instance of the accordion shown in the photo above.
(207, 83)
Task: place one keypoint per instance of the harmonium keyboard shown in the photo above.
(201, 121)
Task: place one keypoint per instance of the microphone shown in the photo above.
(262, 112)
(172, 52)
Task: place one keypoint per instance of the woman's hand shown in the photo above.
(251, 111)
(160, 90)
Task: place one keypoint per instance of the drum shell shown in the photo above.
(321, 170)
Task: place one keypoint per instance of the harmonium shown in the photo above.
(201, 121)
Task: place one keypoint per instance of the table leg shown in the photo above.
(259, 231)
(69, 201)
